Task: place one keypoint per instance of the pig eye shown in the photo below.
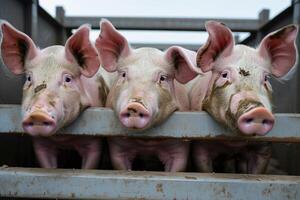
(266, 77)
(123, 74)
(67, 78)
(162, 78)
(224, 74)
(28, 77)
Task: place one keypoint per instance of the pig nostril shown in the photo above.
(46, 123)
(266, 121)
(249, 120)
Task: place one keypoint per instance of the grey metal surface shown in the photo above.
(98, 184)
(103, 122)
(193, 47)
(156, 23)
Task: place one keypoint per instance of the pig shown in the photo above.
(61, 81)
(236, 91)
(145, 94)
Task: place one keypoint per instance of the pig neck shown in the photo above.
(198, 89)
(181, 95)
(95, 90)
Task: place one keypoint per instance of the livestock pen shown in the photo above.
(20, 176)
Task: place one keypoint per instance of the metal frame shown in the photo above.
(192, 125)
(100, 184)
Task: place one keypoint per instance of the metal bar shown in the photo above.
(31, 20)
(280, 20)
(194, 125)
(43, 13)
(108, 184)
(193, 47)
(60, 16)
(296, 20)
(151, 23)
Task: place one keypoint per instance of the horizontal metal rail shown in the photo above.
(156, 23)
(193, 125)
(100, 184)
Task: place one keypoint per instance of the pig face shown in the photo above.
(54, 92)
(239, 92)
(143, 93)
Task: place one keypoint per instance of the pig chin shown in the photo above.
(40, 123)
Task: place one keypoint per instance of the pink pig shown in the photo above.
(145, 94)
(236, 91)
(58, 87)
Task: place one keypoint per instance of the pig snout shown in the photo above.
(257, 121)
(39, 123)
(135, 115)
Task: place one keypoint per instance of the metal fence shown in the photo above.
(21, 180)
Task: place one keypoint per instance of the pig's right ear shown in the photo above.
(111, 46)
(79, 49)
(220, 42)
(184, 62)
(16, 48)
(280, 48)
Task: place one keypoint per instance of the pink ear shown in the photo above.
(184, 62)
(16, 47)
(280, 48)
(220, 42)
(79, 49)
(111, 45)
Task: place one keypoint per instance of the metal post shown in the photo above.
(60, 16)
(264, 16)
(296, 20)
(31, 22)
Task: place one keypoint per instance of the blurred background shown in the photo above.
(167, 8)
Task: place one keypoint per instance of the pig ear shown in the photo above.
(79, 49)
(220, 42)
(280, 48)
(16, 48)
(111, 46)
(184, 62)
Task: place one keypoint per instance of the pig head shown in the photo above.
(144, 94)
(57, 86)
(239, 93)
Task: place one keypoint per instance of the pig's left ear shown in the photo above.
(280, 48)
(184, 62)
(79, 49)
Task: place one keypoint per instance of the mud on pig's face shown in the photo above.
(239, 93)
(53, 94)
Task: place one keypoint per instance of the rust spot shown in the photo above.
(159, 188)
(190, 177)
(40, 87)
(243, 72)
